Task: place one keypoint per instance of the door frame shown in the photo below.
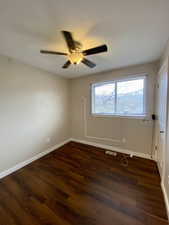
(164, 67)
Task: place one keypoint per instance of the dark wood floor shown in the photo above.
(78, 184)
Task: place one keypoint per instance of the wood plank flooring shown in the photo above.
(80, 185)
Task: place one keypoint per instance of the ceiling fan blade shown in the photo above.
(96, 50)
(88, 63)
(52, 52)
(66, 65)
(69, 40)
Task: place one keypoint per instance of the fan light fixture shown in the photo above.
(76, 57)
(76, 54)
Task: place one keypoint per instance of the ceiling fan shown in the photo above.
(76, 54)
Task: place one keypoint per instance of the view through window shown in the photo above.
(124, 97)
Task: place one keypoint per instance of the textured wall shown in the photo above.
(33, 111)
(136, 132)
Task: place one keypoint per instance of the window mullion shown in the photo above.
(115, 100)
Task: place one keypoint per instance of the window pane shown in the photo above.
(130, 97)
(104, 98)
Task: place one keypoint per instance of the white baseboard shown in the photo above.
(41, 154)
(165, 198)
(28, 161)
(113, 148)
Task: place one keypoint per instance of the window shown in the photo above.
(123, 97)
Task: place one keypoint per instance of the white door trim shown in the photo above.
(164, 68)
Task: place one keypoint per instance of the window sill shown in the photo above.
(142, 117)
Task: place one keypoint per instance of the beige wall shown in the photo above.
(165, 54)
(37, 106)
(131, 134)
(33, 108)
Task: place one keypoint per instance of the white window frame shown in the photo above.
(145, 97)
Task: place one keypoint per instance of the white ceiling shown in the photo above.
(135, 31)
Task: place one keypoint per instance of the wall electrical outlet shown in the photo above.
(123, 140)
(161, 164)
(48, 139)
